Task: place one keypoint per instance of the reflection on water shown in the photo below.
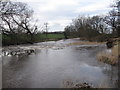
(50, 67)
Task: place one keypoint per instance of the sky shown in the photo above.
(59, 13)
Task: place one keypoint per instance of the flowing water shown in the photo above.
(53, 63)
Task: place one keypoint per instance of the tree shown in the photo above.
(112, 18)
(16, 18)
(87, 27)
(118, 24)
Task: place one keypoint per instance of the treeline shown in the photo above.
(58, 32)
(16, 23)
(95, 28)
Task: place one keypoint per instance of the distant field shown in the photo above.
(23, 38)
(49, 36)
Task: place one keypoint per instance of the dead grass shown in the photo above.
(85, 43)
(110, 58)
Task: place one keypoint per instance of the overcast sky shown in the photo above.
(59, 13)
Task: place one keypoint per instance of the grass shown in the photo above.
(50, 36)
(24, 39)
(109, 58)
(85, 43)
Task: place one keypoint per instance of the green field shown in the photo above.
(24, 39)
(49, 37)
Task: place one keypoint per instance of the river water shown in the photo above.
(53, 63)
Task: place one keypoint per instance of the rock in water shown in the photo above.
(109, 44)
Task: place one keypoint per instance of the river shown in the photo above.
(53, 63)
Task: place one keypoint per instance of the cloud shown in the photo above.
(58, 24)
(95, 6)
(59, 13)
(53, 5)
(26, 0)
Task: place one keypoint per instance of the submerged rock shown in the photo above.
(69, 84)
(109, 43)
(83, 85)
(17, 51)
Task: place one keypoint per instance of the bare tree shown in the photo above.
(112, 18)
(16, 18)
(87, 27)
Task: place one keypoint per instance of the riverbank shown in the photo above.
(26, 39)
(111, 56)
(86, 43)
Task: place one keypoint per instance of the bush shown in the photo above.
(14, 39)
(101, 38)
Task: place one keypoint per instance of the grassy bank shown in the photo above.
(110, 57)
(85, 43)
(17, 39)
